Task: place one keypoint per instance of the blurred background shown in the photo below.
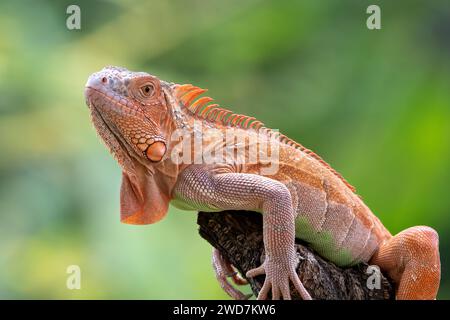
(374, 103)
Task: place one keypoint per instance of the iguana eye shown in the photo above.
(147, 90)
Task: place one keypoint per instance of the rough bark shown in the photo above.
(238, 236)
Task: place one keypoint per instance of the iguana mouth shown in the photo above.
(153, 150)
(117, 104)
(112, 140)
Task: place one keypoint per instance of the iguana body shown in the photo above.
(137, 116)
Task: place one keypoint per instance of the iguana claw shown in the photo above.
(223, 269)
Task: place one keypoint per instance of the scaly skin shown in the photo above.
(137, 115)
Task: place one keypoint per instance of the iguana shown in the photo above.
(137, 115)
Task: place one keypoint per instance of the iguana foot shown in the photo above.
(278, 276)
(223, 269)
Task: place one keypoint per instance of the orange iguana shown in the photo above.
(142, 120)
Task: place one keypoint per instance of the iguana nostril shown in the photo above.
(104, 80)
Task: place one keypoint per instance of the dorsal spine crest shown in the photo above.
(187, 93)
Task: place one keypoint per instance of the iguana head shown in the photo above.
(133, 107)
(131, 114)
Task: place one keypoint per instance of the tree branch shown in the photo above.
(238, 236)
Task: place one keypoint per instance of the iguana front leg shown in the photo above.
(211, 189)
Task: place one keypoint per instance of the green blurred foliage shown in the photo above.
(375, 104)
